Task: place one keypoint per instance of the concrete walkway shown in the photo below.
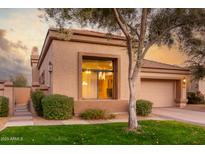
(195, 117)
(19, 121)
(37, 121)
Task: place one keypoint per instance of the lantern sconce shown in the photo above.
(50, 67)
(184, 81)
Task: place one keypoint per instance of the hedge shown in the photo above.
(37, 97)
(95, 114)
(195, 98)
(57, 107)
(4, 106)
(143, 107)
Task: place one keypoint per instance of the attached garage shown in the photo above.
(163, 84)
(161, 92)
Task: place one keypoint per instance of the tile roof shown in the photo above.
(158, 65)
(91, 33)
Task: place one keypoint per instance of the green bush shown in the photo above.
(57, 107)
(195, 98)
(37, 97)
(4, 106)
(143, 107)
(96, 114)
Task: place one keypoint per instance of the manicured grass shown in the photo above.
(150, 132)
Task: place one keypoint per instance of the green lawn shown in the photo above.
(150, 132)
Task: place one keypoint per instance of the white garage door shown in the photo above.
(160, 92)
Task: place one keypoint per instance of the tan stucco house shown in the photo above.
(196, 86)
(92, 68)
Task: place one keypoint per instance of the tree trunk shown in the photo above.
(133, 124)
(133, 69)
(132, 106)
(134, 73)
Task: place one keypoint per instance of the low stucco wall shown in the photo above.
(22, 95)
(114, 106)
(6, 90)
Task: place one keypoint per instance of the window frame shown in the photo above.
(116, 75)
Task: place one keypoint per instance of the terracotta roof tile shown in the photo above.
(154, 64)
(91, 33)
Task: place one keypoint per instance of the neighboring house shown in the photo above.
(196, 86)
(201, 86)
(92, 68)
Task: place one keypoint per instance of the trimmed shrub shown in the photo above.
(4, 106)
(195, 98)
(96, 114)
(143, 107)
(57, 107)
(37, 97)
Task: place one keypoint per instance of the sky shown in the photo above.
(22, 29)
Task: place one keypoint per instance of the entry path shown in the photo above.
(196, 117)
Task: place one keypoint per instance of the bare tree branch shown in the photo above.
(121, 23)
(128, 37)
(141, 42)
(134, 30)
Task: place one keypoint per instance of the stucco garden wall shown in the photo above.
(6, 90)
(22, 95)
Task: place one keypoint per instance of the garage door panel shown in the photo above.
(160, 92)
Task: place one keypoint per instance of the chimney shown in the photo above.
(34, 62)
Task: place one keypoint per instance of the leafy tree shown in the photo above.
(142, 29)
(196, 60)
(19, 80)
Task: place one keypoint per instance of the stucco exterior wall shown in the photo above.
(65, 66)
(115, 106)
(1, 89)
(35, 74)
(163, 76)
(45, 68)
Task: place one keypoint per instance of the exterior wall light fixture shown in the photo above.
(184, 80)
(50, 67)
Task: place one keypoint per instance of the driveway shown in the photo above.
(196, 117)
